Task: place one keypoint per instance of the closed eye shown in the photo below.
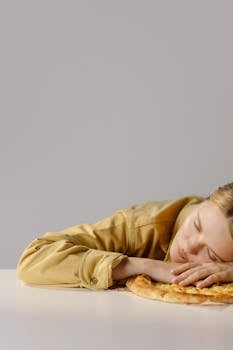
(213, 258)
(210, 256)
(196, 226)
(199, 228)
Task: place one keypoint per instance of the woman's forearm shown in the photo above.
(158, 270)
(129, 267)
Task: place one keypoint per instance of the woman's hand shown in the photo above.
(203, 274)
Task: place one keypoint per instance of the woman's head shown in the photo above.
(207, 232)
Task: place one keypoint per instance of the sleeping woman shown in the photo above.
(187, 240)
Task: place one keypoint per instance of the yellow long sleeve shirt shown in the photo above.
(85, 254)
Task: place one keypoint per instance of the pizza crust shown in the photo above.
(144, 286)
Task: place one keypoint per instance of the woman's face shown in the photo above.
(204, 236)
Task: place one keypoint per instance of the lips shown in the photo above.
(182, 253)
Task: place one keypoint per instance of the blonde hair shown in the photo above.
(223, 197)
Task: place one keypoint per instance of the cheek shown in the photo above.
(186, 230)
(181, 234)
(199, 259)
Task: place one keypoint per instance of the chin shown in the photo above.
(177, 258)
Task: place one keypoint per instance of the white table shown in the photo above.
(36, 317)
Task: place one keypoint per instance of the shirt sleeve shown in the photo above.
(79, 256)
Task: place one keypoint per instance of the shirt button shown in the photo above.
(94, 280)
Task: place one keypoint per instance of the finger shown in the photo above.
(208, 281)
(221, 276)
(213, 278)
(200, 272)
(182, 276)
(197, 282)
(183, 268)
(191, 276)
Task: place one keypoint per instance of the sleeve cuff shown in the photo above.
(96, 268)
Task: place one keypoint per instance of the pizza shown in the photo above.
(144, 286)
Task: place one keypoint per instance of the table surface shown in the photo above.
(38, 317)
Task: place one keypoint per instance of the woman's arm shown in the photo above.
(158, 270)
(129, 267)
(82, 255)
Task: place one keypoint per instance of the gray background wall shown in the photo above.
(105, 104)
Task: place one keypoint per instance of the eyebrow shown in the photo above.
(201, 229)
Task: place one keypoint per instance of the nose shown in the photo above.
(194, 246)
